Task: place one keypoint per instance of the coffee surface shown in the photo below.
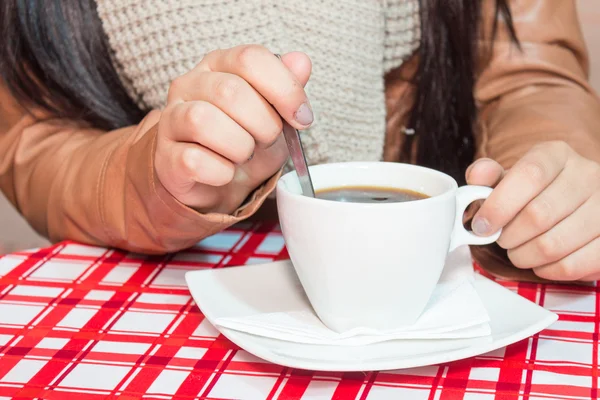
(369, 194)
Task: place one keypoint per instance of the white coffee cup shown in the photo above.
(374, 265)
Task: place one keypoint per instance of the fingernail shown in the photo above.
(481, 226)
(304, 115)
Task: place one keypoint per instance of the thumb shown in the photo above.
(300, 65)
(485, 172)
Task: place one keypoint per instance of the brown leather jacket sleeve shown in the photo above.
(74, 182)
(538, 94)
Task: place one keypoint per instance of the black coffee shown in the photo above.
(369, 194)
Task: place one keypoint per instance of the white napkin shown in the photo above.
(455, 311)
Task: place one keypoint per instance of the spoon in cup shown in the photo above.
(294, 144)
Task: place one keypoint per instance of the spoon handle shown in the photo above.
(294, 145)
(292, 138)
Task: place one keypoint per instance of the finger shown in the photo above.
(266, 162)
(567, 236)
(591, 278)
(484, 172)
(582, 263)
(270, 77)
(203, 123)
(525, 180)
(192, 163)
(560, 199)
(236, 98)
(299, 64)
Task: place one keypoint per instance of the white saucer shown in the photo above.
(236, 290)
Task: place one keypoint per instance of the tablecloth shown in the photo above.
(82, 322)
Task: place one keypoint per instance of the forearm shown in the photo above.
(101, 188)
(541, 113)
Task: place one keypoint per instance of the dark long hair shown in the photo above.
(444, 113)
(55, 55)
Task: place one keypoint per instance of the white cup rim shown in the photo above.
(283, 188)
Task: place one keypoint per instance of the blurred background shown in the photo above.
(15, 234)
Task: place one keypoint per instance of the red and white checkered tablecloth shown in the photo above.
(80, 322)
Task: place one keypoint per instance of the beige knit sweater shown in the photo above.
(352, 43)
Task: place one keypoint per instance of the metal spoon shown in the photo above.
(292, 138)
(294, 145)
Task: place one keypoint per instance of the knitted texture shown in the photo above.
(351, 43)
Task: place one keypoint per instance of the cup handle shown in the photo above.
(465, 195)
